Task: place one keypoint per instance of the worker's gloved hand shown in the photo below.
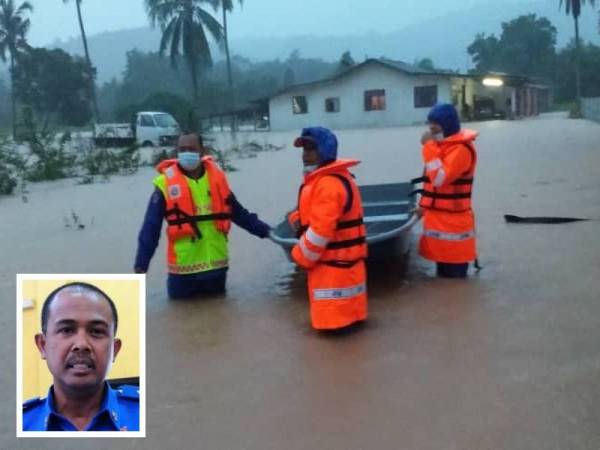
(263, 230)
(417, 211)
(294, 220)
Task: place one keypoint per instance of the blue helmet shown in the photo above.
(445, 115)
(324, 140)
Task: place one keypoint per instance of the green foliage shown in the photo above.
(590, 72)
(162, 154)
(48, 157)
(185, 26)
(12, 165)
(573, 7)
(526, 47)
(425, 64)
(56, 85)
(147, 74)
(105, 162)
(346, 62)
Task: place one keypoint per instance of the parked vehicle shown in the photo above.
(148, 128)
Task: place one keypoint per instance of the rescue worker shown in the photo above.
(450, 159)
(193, 196)
(79, 324)
(329, 224)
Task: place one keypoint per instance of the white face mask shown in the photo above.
(438, 136)
(310, 168)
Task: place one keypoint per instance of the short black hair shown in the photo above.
(83, 286)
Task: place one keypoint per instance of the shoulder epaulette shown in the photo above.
(128, 392)
(33, 402)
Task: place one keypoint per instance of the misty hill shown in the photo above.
(443, 39)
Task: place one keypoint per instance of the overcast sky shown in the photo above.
(53, 20)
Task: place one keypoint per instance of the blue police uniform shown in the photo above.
(119, 411)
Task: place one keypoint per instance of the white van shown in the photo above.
(149, 128)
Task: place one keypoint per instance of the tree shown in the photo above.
(184, 26)
(55, 85)
(90, 67)
(526, 47)
(573, 8)
(590, 72)
(227, 6)
(346, 61)
(425, 64)
(484, 52)
(289, 77)
(13, 30)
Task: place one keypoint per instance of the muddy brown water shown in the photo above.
(509, 359)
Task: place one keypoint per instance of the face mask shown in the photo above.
(310, 168)
(438, 136)
(188, 160)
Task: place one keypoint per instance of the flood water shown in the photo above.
(508, 359)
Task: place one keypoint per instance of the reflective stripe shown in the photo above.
(439, 178)
(433, 165)
(339, 293)
(386, 218)
(316, 238)
(449, 236)
(200, 267)
(311, 256)
(386, 203)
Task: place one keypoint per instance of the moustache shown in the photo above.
(80, 360)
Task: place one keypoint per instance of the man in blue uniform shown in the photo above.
(79, 323)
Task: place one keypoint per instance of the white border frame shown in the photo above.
(141, 278)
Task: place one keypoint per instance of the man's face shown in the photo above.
(435, 128)
(310, 154)
(189, 143)
(79, 344)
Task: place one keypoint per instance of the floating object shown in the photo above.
(543, 219)
(388, 218)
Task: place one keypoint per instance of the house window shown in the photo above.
(332, 105)
(299, 104)
(375, 100)
(425, 96)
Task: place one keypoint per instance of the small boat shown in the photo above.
(388, 217)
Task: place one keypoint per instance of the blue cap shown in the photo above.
(445, 115)
(324, 140)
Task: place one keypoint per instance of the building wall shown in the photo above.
(399, 93)
(590, 108)
(124, 293)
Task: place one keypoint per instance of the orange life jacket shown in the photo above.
(454, 196)
(345, 242)
(332, 246)
(180, 212)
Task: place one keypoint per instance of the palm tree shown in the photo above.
(227, 6)
(87, 57)
(184, 26)
(13, 29)
(573, 7)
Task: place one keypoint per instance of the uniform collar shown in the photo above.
(333, 167)
(463, 136)
(109, 407)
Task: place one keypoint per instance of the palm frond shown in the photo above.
(213, 26)
(175, 41)
(167, 34)
(25, 7)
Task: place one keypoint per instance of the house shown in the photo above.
(386, 93)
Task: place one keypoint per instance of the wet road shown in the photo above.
(509, 359)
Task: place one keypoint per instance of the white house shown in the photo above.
(386, 93)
